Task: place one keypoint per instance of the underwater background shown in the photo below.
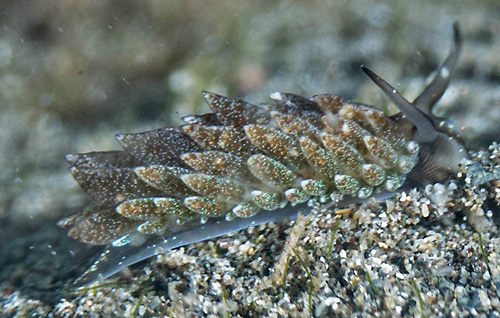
(74, 74)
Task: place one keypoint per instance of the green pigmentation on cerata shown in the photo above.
(243, 158)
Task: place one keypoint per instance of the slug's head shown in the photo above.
(441, 146)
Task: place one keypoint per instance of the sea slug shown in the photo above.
(247, 164)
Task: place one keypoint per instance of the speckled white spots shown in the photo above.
(124, 240)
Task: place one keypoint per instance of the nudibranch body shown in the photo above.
(246, 164)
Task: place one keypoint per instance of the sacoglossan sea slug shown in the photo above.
(246, 164)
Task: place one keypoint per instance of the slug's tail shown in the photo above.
(113, 260)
